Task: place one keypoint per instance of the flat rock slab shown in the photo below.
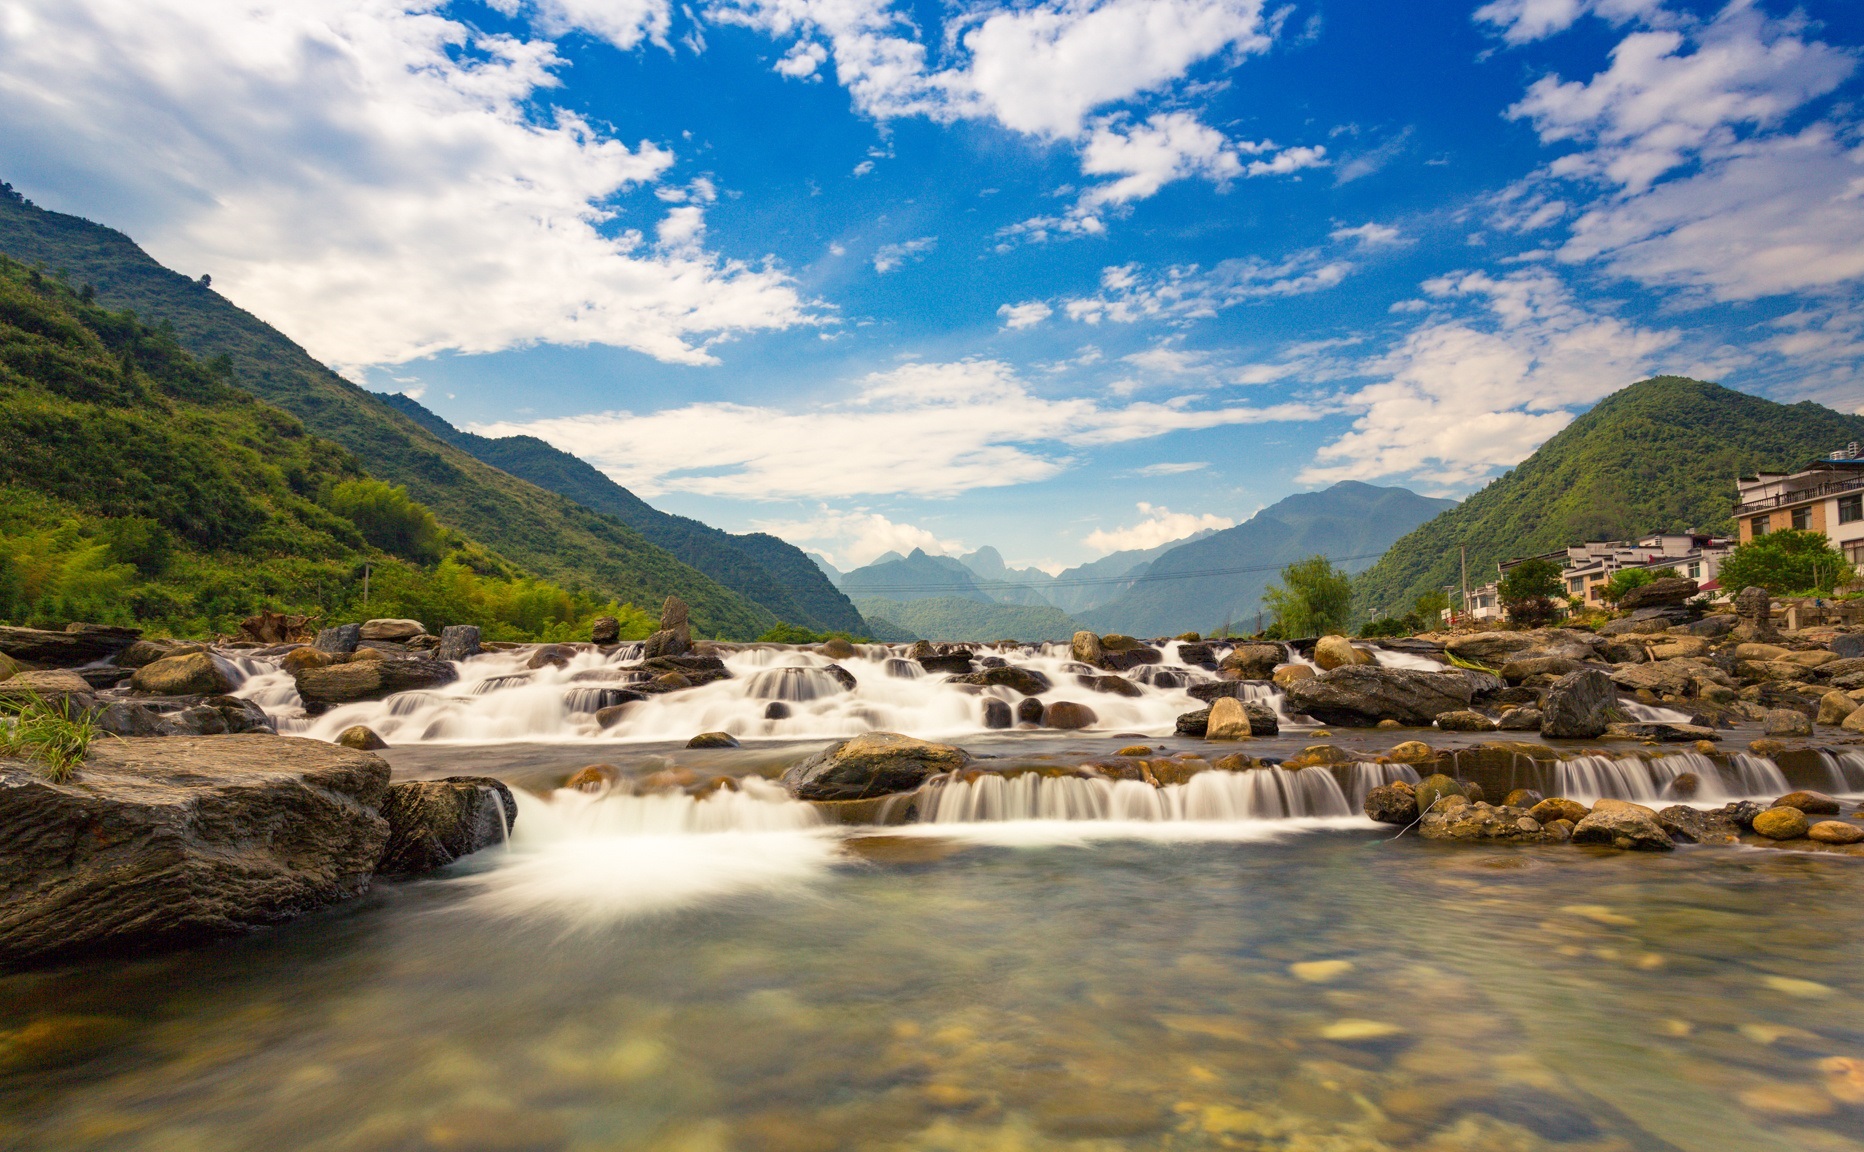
(166, 841)
(432, 823)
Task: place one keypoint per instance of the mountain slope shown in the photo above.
(1660, 455)
(914, 577)
(959, 618)
(1196, 586)
(769, 571)
(548, 534)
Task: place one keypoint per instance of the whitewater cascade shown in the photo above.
(1647, 781)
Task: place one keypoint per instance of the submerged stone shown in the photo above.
(432, 823)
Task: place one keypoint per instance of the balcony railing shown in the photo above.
(1801, 495)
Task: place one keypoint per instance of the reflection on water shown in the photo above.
(665, 987)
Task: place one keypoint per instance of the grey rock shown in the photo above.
(1713, 627)
(1741, 813)
(1695, 826)
(340, 640)
(1787, 722)
(871, 764)
(1662, 731)
(432, 823)
(955, 662)
(1363, 694)
(1197, 723)
(323, 688)
(605, 630)
(77, 644)
(1464, 720)
(458, 642)
(159, 842)
(1631, 827)
(1849, 645)
(997, 714)
(1215, 690)
(1262, 719)
(1029, 711)
(1484, 822)
(1392, 804)
(1519, 720)
(1579, 706)
(1662, 591)
(1026, 681)
(400, 630)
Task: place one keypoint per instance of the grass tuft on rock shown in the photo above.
(55, 736)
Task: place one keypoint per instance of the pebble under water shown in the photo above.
(632, 978)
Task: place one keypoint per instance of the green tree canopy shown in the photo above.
(1313, 599)
(1529, 589)
(1785, 562)
(388, 519)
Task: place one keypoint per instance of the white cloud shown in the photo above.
(1462, 396)
(1025, 315)
(1169, 146)
(890, 256)
(1173, 468)
(1188, 292)
(623, 23)
(853, 539)
(1521, 21)
(1370, 235)
(926, 430)
(802, 60)
(381, 183)
(1158, 525)
(1173, 361)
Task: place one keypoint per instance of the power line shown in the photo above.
(1088, 581)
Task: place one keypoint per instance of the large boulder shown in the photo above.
(47, 683)
(77, 644)
(1661, 591)
(432, 823)
(1491, 648)
(1253, 661)
(1364, 694)
(605, 630)
(458, 642)
(1067, 714)
(157, 842)
(1263, 720)
(1228, 720)
(871, 764)
(1484, 822)
(190, 674)
(325, 688)
(1026, 681)
(339, 640)
(675, 637)
(1085, 647)
(188, 716)
(395, 630)
(1579, 706)
(1754, 608)
(1621, 824)
(1394, 803)
(1332, 652)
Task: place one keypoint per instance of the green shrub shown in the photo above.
(1313, 599)
(388, 519)
(55, 736)
(1784, 563)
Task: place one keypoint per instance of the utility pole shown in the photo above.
(365, 586)
(1463, 550)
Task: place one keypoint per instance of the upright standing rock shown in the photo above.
(340, 640)
(432, 823)
(1085, 647)
(1579, 706)
(675, 637)
(457, 642)
(605, 630)
(1755, 608)
(1228, 720)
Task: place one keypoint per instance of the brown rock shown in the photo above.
(1559, 808)
(872, 764)
(190, 674)
(1228, 720)
(361, 739)
(1835, 832)
(432, 823)
(1286, 674)
(1464, 720)
(1332, 652)
(399, 630)
(1809, 802)
(1067, 714)
(299, 659)
(1623, 825)
(1782, 824)
(1412, 752)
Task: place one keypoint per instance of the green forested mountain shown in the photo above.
(957, 618)
(768, 571)
(139, 486)
(547, 534)
(1201, 585)
(1660, 455)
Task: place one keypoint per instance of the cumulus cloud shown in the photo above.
(623, 23)
(379, 180)
(1188, 292)
(1463, 395)
(1025, 315)
(1173, 468)
(920, 429)
(1370, 235)
(851, 539)
(890, 256)
(1522, 21)
(1703, 185)
(1157, 525)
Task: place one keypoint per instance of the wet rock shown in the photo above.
(1193, 723)
(1433, 788)
(398, 630)
(1262, 719)
(613, 714)
(1786, 722)
(778, 710)
(1662, 731)
(835, 648)
(340, 640)
(1519, 720)
(1029, 711)
(50, 683)
(1412, 752)
(1126, 659)
(1580, 705)
(669, 682)
(1782, 824)
(165, 841)
(1228, 721)
(1215, 690)
(872, 764)
(1490, 648)
(77, 644)
(713, 740)
(1253, 661)
(1026, 681)
(1140, 750)
(1464, 720)
(1392, 803)
(605, 630)
(1685, 785)
(1086, 648)
(551, 656)
(1809, 802)
(361, 738)
(1523, 798)
(1286, 674)
(432, 823)
(461, 641)
(1623, 825)
(298, 659)
(594, 778)
(1332, 652)
(1558, 808)
(1763, 746)
(1834, 707)
(1069, 715)
(841, 676)
(958, 662)
(1480, 822)
(1694, 826)
(190, 674)
(1115, 686)
(1362, 695)
(323, 688)
(997, 714)
(1835, 832)
(148, 651)
(1661, 591)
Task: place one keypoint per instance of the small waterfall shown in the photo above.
(1756, 777)
(1367, 775)
(755, 805)
(1844, 772)
(1651, 714)
(1591, 778)
(796, 685)
(1254, 794)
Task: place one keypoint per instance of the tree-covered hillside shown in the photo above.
(549, 535)
(957, 618)
(1660, 455)
(138, 486)
(768, 571)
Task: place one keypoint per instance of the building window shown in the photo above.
(1854, 552)
(1695, 571)
(1851, 508)
(1576, 586)
(1759, 525)
(1802, 519)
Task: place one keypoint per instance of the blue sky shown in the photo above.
(1060, 277)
